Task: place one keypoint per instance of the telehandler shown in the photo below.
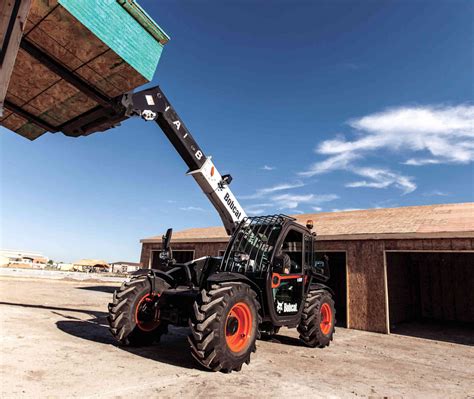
(267, 278)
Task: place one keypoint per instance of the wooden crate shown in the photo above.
(73, 59)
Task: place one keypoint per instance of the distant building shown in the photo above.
(91, 265)
(124, 267)
(25, 259)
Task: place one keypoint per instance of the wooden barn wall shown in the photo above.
(366, 282)
(367, 304)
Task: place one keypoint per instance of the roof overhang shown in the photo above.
(339, 237)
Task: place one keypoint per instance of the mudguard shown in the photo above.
(222, 277)
(156, 273)
(321, 287)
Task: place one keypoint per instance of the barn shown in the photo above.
(391, 269)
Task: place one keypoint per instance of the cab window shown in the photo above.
(293, 247)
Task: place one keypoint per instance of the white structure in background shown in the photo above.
(124, 267)
(25, 259)
(65, 267)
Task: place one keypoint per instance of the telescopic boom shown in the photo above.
(152, 105)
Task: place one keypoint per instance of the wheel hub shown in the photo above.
(147, 314)
(232, 326)
(238, 327)
(326, 319)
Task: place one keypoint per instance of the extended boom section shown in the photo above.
(152, 105)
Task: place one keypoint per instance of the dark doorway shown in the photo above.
(181, 256)
(338, 283)
(431, 294)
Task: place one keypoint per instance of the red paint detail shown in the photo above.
(278, 277)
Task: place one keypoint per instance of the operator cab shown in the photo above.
(276, 253)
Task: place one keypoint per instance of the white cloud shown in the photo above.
(421, 161)
(382, 178)
(267, 167)
(316, 208)
(292, 201)
(436, 193)
(192, 208)
(262, 192)
(336, 162)
(444, 133)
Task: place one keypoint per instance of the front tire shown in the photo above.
(133, 315)
(317, 319)
(224, 326)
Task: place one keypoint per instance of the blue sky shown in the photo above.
(313, 106)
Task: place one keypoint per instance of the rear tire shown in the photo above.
(317, 319)
(133, 319)
(224, 326)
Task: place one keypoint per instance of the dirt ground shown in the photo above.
(55, 343)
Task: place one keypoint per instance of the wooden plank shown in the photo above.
(116, 71)
(51, 46)
(442, 244)
(39, 10)
(13, 44)
(69, 33)
(366, 286)
(29, 79)
(461, 244)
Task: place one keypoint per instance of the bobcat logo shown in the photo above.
(283, 307)
(279, 307)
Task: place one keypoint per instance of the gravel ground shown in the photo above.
(55, 344)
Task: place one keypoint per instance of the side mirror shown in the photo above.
(166, 254)
(166, 239)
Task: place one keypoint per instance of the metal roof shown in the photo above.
(429, 221)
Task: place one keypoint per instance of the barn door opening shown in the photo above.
(431, 295)
(338, 283)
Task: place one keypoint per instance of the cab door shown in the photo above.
(288, 275)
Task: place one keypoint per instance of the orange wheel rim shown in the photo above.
(147, 315)
(238, 327)
(326, 319)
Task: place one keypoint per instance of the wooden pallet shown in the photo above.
(65, 60)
